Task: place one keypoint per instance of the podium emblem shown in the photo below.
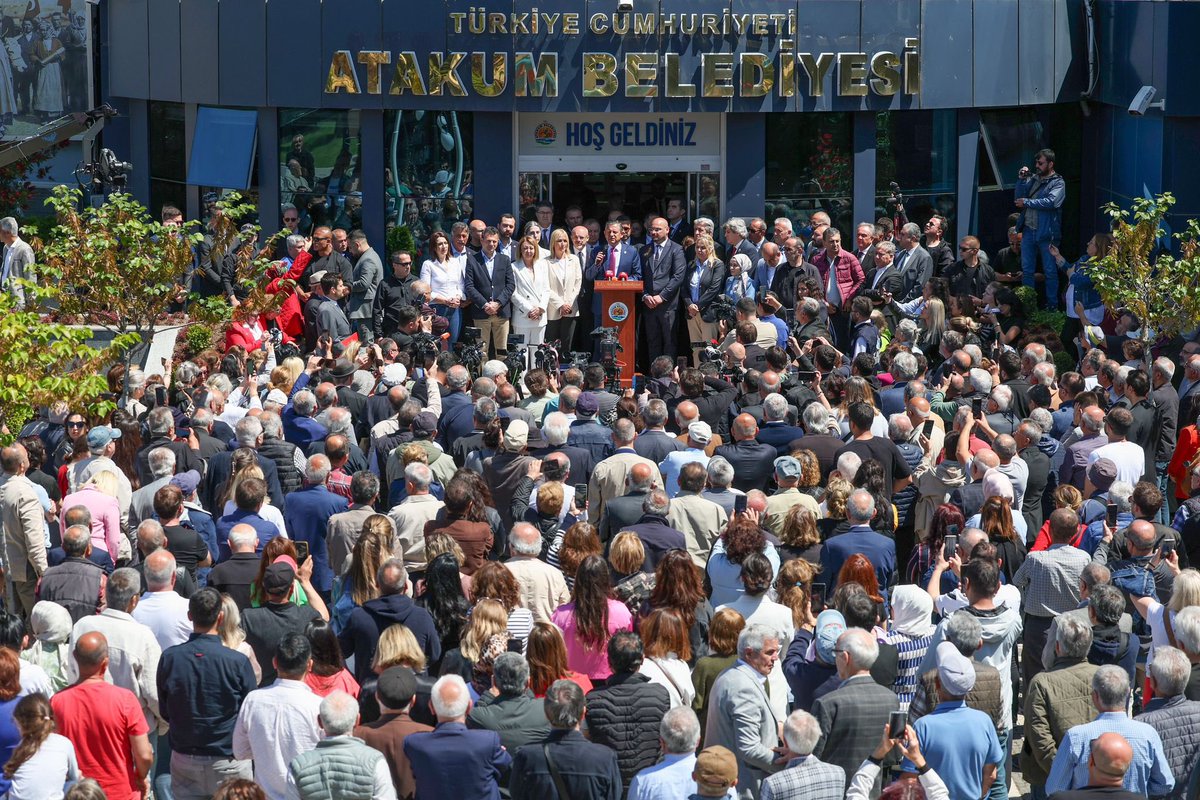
(618, 312)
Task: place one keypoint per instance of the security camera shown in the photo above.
(625, 5)
(1142, 102)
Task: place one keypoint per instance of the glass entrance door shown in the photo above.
(634, 194)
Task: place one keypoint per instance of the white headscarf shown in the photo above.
(912, 611)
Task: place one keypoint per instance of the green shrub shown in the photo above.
(400, 239)
(198, 337)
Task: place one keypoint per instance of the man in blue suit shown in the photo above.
(616, 257)
(489, 283)
(451, 761)
(307, 516)
(663, 270)
(879, 549)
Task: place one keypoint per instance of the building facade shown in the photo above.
(374, 113)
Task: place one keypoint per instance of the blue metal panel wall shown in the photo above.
(243, 28)
(884, 28)
(139, 149)
(995, 79)
(354, 25)
(268, 171)
(198, 51)
(828, 26)
(1035, 72)
(968, 169)
(403, 29)
(493, 146)
(371, 129)
(689, 50)
(864, 169)
(745, 174)
(163, 49)
(128, 57)
(295, 79)
(947, 75)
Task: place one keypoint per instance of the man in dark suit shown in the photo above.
(677, 220)
(883, 278)
(864, 244)
(735, 233)
(657, 535)
(615, 258)
(704, 225)
(753, 461)
(860, 538)
(489, 287)
(587, 322)
(249, 433)
(621, 512)
(852, 715)
(913, 262)
(663, 268)
(450, 760)
(775, 430)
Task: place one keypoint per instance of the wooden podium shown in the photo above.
(618, 309)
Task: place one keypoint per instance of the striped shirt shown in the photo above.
(911, 653)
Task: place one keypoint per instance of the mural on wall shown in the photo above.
(44, 63)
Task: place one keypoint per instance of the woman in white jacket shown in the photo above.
(531, 294)
(565, 274)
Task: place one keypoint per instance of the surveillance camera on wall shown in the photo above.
(1143, 101)
(625, 5)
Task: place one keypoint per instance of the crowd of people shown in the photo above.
(886, 531)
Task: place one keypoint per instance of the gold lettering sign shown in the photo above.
(757, 67)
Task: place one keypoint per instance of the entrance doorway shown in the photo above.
(635, 194)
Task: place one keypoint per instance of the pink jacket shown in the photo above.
(581, 657)
(850, 276)
(106, 517)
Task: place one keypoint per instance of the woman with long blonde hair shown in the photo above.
(531, 294)
(705, 282)
(233, 636)
(251, 469)
(857, 390)
(359, 584)
(99, 496)
(565, 276)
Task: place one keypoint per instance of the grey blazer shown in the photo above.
(740, 718)
(368, 272)
(22, 267)
(916, 270)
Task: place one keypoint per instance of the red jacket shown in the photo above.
(849, 275)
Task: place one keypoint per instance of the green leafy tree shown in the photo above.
(43, 361)
(1158, 287)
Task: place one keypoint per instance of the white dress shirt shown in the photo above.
(276, 724)
(165, 613)
(446, 281)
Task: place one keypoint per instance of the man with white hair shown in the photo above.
(720, 480)
(341, 765)
(161, 608)
(541, 586)
(913, 262)
(18, 262)
(556, 428)
(805, 777)
(819, 437)
(1171, 713)
(450, 760)
(859, 539)
(161, 463)
(249, 434)
(904, 369)
(410, 516)
(679, 737)
(307, 515)
(739, 712)
(1149, 773)
(235, 575)
(853, 715)
(736, 235)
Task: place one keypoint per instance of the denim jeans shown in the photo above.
(999, 790)
(1160, 475)
(453, 316)
(197, 777)
(1029, 260)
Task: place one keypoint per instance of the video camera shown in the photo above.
(469, 350)
(579, 360)
(895, 199)
(425, 347)
(708, 352)
(723, 310)
(609, 345)
(546, 357)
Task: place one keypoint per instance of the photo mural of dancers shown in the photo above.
(44, 46)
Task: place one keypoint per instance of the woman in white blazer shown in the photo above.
(531, 294)
(565, 274)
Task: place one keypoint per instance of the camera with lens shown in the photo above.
(579, 360)
(425, 347)
(469, 350)
(545, 356)
(708, 353)
(516, 357)
(723, 310)
(609, 344)
(895, 199)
